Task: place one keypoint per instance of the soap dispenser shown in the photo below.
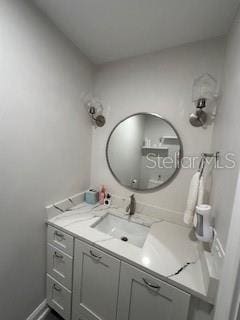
(204, 231)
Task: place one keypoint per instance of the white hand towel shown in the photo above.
(201, 189)
(192, 199)
(200, 198)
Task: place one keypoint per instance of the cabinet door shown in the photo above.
(142, 297)
(95, 284)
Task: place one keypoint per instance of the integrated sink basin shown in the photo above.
(123, 229)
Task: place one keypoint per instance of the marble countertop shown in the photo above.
(167, 248)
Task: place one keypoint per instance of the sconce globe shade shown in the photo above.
(204, 87)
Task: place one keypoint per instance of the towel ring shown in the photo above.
(203, 160)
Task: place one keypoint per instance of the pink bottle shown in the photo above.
(102, 194)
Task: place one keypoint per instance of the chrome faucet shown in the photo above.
(131, 208)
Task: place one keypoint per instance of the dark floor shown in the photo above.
(53, 316)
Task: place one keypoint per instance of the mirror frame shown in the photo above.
(165, 183)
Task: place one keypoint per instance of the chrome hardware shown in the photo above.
(95, 256)
(211, 155)
(55, 287)
(131, 208)
(151, 285)
(57, 255)
(203, 160)
(95, 110)
(58, 234)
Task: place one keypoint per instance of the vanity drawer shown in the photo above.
(60, 240)
(59, 265)
(59, 298)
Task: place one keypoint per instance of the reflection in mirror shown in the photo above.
(143, 151)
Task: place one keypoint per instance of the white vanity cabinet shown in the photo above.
(95, 284)
(85, 283)
(142, 297)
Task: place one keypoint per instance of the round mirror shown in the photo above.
(143, 152)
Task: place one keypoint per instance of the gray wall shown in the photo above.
(45, 140)
(226, 135)
(159, 83)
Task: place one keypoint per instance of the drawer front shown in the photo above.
(59, 266)
(60, 240)
(59, 298)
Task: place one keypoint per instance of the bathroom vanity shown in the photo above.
(101, 265)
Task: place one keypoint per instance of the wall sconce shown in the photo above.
(204, 93)
(95, 110)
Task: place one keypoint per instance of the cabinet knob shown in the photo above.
(151, 285)
(59, 235)
(55, 287)
(57, 255)
(95, 256)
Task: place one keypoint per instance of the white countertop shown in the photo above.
(167, 247)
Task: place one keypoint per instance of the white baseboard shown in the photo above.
(40, 312)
